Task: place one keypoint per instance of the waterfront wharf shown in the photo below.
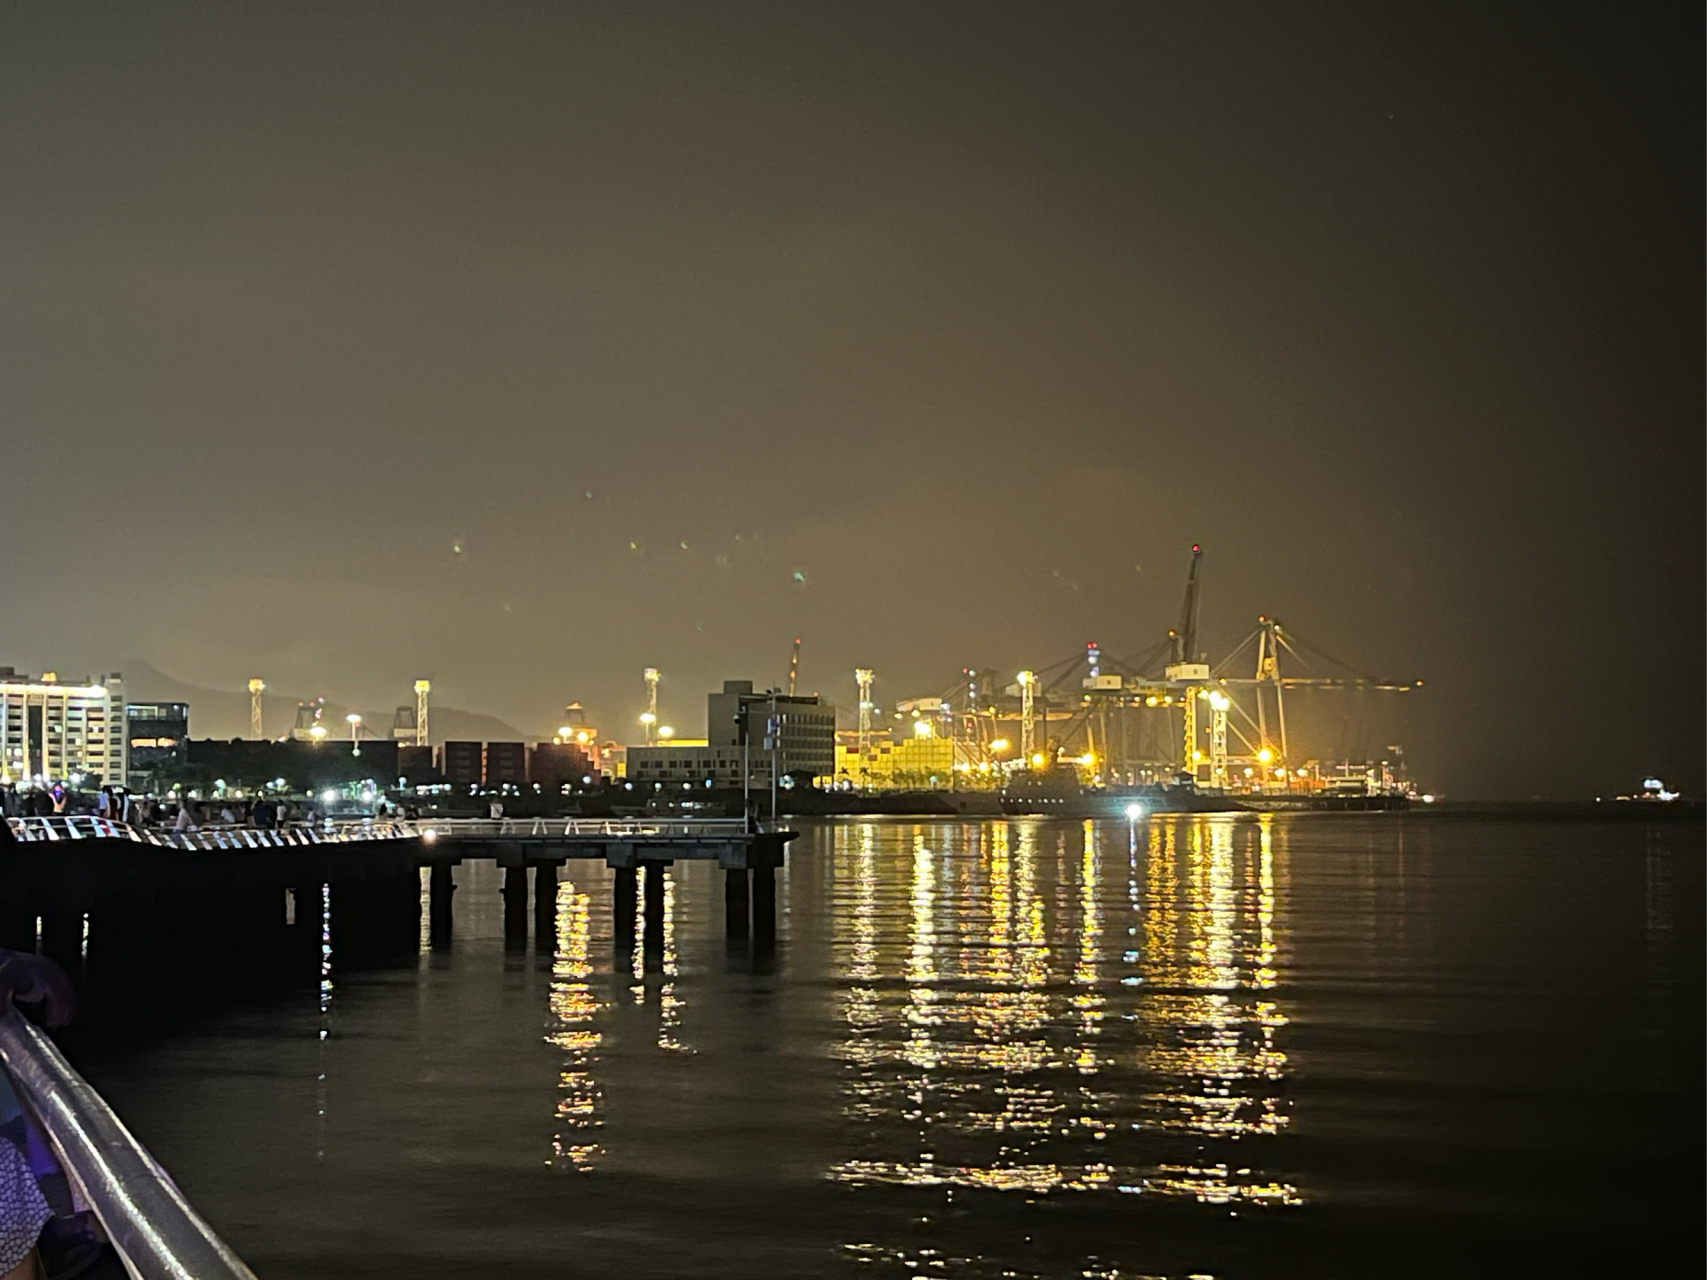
(81, 887)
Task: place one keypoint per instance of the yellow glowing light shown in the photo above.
(1000, 744)
(665, 731)
(1088, 759)
(1026, 677)
(1197, 755)
(353, 718)
(1219, 700)
(921, 728)
(1265, 755)
(1037, 761)
(317, 731)
(646, 717)
(564, 731)
(582, 736)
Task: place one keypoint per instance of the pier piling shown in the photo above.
(653, 946)
(515, 907)
(735, 914)
(764, 906)
(545, 907)
(623, 889)
(440, 887)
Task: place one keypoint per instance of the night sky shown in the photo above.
(525, 346)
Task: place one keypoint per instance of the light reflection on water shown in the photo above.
(1036, 1008)
(574, 1010)
(993, 1048)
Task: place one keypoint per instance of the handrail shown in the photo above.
(82, 827)
(63, 827)
(619, 828)
(147, 1218)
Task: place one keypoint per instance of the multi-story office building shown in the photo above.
(804, 741)
(58, 732)
(155, 733)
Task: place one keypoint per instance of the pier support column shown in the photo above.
(545, 907)
(764, 906)
(735, 913)
(622, 909)
(515, 907)
(439, 889)
(653, 946)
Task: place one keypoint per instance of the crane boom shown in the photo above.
(1184, 637)
(794, 667)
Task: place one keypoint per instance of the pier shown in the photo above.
(111, 900)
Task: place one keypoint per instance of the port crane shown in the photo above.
(1269, 684)
(1174, 673)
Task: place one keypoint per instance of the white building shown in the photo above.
(56, 732)
(805, 742)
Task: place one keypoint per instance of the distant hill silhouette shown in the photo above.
(224, 713)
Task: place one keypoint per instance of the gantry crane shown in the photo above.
(1269, 684)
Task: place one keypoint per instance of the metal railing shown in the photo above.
(145, 1216)
(215, 837)
(579, 828)
(342, 831)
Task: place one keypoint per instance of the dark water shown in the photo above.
(1334, 1045)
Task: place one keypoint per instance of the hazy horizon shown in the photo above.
(526, 349)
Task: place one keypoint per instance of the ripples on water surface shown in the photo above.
(1329, 1045)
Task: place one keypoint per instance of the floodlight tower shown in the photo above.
(256, 687)
(650, 717)
(862, 677)
(422, 689)
(794, 667)
(1027, 735)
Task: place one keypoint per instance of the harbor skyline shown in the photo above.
(528, 355)
(758, 639)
